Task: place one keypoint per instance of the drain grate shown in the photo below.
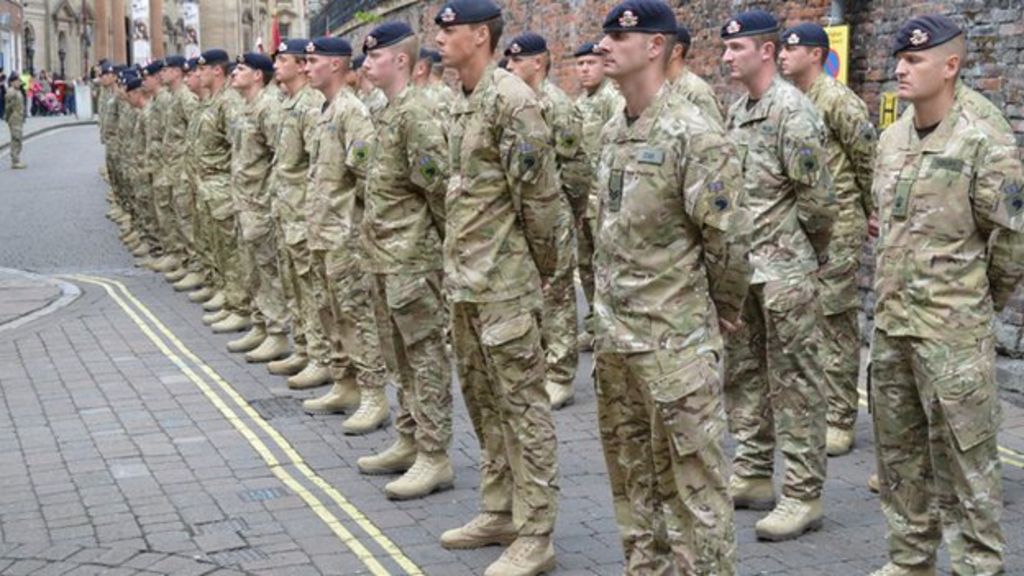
(214, 526)
(262, 494)
(237, 556)
(273, 408)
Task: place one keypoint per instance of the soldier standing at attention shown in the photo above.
(691, 86)
(850, 154)
(504, 224)
(528, 58)
(671, 265)
(403, 229)
(598, 101)
(14, 115)
(156, 153)
(774, 387)
(950, 254)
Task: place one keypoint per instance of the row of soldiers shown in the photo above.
(378, 216)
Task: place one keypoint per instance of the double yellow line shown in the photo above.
(175, 351)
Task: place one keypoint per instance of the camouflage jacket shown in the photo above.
(156, 128)
(595, 111)
(251, 156)
(126, 118)
(698, 92)
(939, 273)
(850, 144)
(780, 139)
(404, 222)
(14, 107)
(176, 118)
(190, 173)
(151, 153)
(503, 209)
(439, 98)
(375, 102)
(981, 110)
(672, 238)
(107, 113)
(290, 178)
(134, 158)
(566, 123)
(339, 154)
(213, 151)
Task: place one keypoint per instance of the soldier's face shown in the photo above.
(526, 67)
(922, 75)
(381, 67)
(590, 70)
(625, 53)
(798, 60)
(456, 44)
(151, 83)
(287, 67)
(243, 77)
(744, 58)
(319, 70)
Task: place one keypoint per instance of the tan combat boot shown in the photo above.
(527, 556)
(233, 323)
(191, 281)
(141, 251)
(751, 493)
(215, 303)
(561, 395)
(130, 236)
(203, 294)
(216, 316)
(175, 275)
(585, 341)
(19, 165)
(789, 519)
(293, 364)
(313, 375)
(373, 413)
(342, 397)
(253, 338)
(894, 569)
(838, 441)
(398, 458)
(166, 263)
(873, 484)
(273, 347)
(485, 529)
(432, 472)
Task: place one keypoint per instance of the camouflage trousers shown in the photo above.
(558, 328)
(773, 386)
(661, 421)
(259, 253)
(204, 243)
(585, 262)
(296, 272)
(145, 215)
(500, 364)
(228, 250)
(840, 358)
(163, 210)
(17, 132)
(412, 334)
(185, 213)
(343, 300)
(936, 413)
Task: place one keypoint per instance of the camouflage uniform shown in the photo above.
(157, 153)
(127, 118)
(144, 169)
(695, 90)
(850, 150)
(950, 254)
(176, 125)
(375, 102)
(671, 255)
(559, 321)
(502, 234)
(290, 180)
(403, 230)
(339, 154)
(108, 134)
(14, 115)
(439, 97)
(252, 156)
(202, 222)
(773, 383)
(213, 151)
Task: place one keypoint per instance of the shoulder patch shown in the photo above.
(1013, 194)
(428, 168)
(808, 159)
(360, 150)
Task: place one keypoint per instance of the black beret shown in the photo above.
(752, 23)
(387, 34)
(683, 35)
(526, 44)
(587, 49)
(293, 46)
(256, 61)
(357, 62)
(192, 64)
(648, 16)
(175, 61)
(132, 82)
(805, 34)
(925, 32)
(329, 46)
(433, 55)
(107, 68)
(456, 12)
(153, 67)
(104, 61)
(214, 56)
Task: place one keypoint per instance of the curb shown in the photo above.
(69, 293)
(44, 130)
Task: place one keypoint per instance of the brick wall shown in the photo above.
(995, 63)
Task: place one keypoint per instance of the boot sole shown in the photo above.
(230, 330)
(753, 504)
(284, 372)
(308, 386)
(251, 360)
(811, 527)
(382, 471)
(326, 412)
(240, 349)
(496, 541)
(564, 404)
(438, 488)
(361, 432)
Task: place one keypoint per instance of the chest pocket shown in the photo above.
(633, 181)
(937, 200)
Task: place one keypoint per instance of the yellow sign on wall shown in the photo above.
(889, 111)
(838, 60)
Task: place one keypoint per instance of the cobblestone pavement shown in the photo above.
(131, 442)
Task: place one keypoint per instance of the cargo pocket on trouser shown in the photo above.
(689, 402)
(969, 399)
(514, 352)
(415, 307)
(791, 309)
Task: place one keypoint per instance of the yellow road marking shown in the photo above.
(292, 455)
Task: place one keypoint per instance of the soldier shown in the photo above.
(773, 368)
(950, 250)
(530, 60)
(427, 76)
(689, 85)
(141, 169)
(107, 116)
(215, 192)
(850, 154)
(309, 363)
(340, 153)
(403, 231)
(504, 224)
(252, 155)
(14, 115)
(156, 158)
(598, 101)
(127, 116)
(671, 264)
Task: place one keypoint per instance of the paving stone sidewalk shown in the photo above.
(23, 294)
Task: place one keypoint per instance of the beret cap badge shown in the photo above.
(733, 27)
(918, 37)
(202, 60)
(793, 39)
(310, 48)
(282, 47)
(370, 42)
(515, 48)
(628, 19)
(448, 15)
